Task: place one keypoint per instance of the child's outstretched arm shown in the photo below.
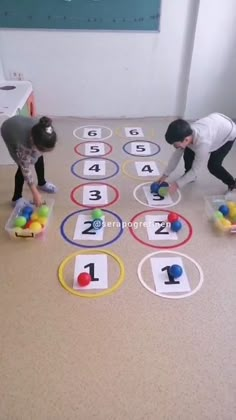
(25, 165)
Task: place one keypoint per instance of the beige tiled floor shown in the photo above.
(130, 355)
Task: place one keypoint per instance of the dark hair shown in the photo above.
(177, 131)
(44, 136)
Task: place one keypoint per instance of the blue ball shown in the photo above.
(176, 226)
(155, 188)
(176, 271)
(224, 209)
(27, 210)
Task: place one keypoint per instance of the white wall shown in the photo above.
(212, 82)
(1, 71)
(107, 74)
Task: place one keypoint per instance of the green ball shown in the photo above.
(43, 211)
(97, 214)
(20, 221)
(163, 191)
(218, 214)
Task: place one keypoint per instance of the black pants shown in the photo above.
(19, 179)
(214, 163)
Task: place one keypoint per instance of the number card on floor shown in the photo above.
(84, 229)
(91, 133)
(134, 132)
(158, 228)
(140, 149)
(147, 169)
(94, 264)
(95, 167)
(94, 149)
(155, 199)
(95, 195)
(165, 283)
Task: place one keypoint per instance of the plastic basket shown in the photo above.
(27, 233)
(212, 205)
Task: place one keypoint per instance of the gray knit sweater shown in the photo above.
(16, 133)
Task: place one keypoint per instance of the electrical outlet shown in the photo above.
(16, 75)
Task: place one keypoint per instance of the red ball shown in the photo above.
(173, 217)
(84, 279)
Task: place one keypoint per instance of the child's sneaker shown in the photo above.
(48, 188)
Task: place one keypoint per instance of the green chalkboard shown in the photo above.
(126, 15)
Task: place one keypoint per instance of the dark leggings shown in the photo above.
(214, 163)
(19, 179)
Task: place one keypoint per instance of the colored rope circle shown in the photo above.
(123, 169)
(72, 195)
(138, 140)
(94, 126)
(149, 205)
(160, 247)
(97, 158)
(70, 241)
(76, 149)
(107, 292)
(201, 276)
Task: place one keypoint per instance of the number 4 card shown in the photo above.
(147, 169)
(94, 264)
(95, 167)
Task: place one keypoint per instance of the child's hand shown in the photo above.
(173, 188)
(162, 179)
(37, 198)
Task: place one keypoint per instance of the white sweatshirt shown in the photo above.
(209, 134)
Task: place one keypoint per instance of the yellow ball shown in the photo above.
(34, 216)
(232, 214)
(226, 223)
(231, 204)
(42, 221)
(35, 227)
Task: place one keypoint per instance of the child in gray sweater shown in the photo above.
(27, 139)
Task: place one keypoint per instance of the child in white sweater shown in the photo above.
(205, 142)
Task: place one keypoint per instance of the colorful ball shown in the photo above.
(218, 215)
(224, 209)
(231, 204)
(84, 279)
(173, 217)
(176, 271)
(35, 227)
(226, 223)
(20, 221)
(163, 191)
(43, 211)
(34, 216)
(232, 215)
(42, 221)
(154, 188)
(27, 210)
(97, 214)
(176, 226)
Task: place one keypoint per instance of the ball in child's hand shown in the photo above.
(154, 188)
